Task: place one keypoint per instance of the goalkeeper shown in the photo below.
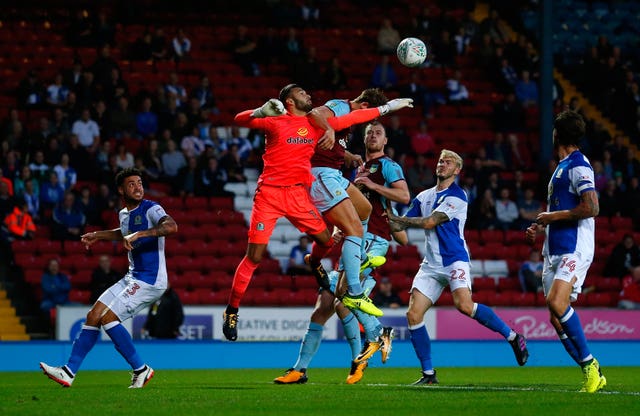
(283, 186)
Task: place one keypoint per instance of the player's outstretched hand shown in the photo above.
(271, 108)
(395, 105)
(531, 232)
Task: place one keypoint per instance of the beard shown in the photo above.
(303, 105)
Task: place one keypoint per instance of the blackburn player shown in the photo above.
(283, 186)
(381, 179)
(569, 243)
(442, 211)
(143, 227)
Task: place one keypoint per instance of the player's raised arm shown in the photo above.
(248, 118)
(368, 114)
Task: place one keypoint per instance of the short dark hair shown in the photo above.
(569, 127)
(374, 96)
(286, 91)
(125, 173)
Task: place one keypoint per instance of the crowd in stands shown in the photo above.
(59, 171)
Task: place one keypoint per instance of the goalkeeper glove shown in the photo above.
(271, 108)
(395, 105)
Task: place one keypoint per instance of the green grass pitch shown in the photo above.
(383, 391)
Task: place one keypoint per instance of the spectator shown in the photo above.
(59, 124)
(610, 199)
(39, 169)
(122, 120)
(624, 257)
(233, 165)
(526, 90)
(55, 287)
(51, 192)
(310, 13)
(187, 178)
(88, 206)
(528, 209)
(386, 296)
(444, 50)
(141, 49)
(68, 219)
(20, 181)
(457, 91)
(181, 46)
(115, 88)
(269, 48)
(486, 211)
(244, 50)
(506, 211)
(18, 225)
(384, 76)
(173, 88)
(172, 161)
(398, 138)
(57, 93)
(335, 79)
(103, 31)
(165, 316)
(73, 76)
(388, 38)
(67, 175)
(307, 70)
(192, 145)
(102, 277)
(103, 65)
(159, 50)
(32, 198)
(293, 47)
(6, 200)
(631, 205)
(508, 114)
(203, 93)
(31, 92)
(630, 294)
(213, 179)
(421, 141)
(146, 120)
(80, 30)
(124, 158)
(87, 131)
(152, 159)
(297, 265)
(530, 273)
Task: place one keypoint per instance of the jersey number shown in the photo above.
(571, 265)
(133, 289)
(457, 274)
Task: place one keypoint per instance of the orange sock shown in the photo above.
(241, 279)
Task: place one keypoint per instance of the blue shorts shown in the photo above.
(329, 188)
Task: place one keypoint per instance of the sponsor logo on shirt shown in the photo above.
(137, 220)
(302, 131)
(299, 140)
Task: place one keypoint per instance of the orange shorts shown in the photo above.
(292, 202)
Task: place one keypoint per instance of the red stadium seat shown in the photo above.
(483, 283)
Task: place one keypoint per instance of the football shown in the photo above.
(411, 52)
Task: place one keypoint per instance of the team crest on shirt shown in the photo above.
(373, 168)
(302, 131)
(137, 220)
(260, 226)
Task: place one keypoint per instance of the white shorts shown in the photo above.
(129, 296)
(431, 281)
(565, 267)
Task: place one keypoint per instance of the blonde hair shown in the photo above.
(451, 155)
